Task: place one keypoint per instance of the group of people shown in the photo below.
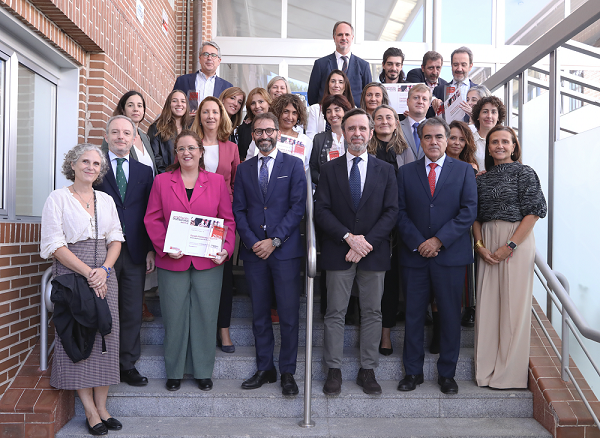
(397, 199)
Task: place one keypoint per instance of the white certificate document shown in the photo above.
(195, 235)
(452, 109)
(398, 95)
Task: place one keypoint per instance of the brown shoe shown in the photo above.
(366, 379)
(333, 384)
(146, 315)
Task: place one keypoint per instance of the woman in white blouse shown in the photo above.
(69, 236)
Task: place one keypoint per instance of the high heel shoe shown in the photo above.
(98, 429)
(224, 348)
(385, 351)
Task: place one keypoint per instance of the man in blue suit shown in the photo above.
(357, 69)
(129, 182)
(437, 202)
(205, 81)
(356, 209)
(269, 200)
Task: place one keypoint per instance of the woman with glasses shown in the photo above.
(190, 285)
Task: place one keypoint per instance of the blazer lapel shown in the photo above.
(373, 169)
(274, 174)
(133, 177)
(112, 181)
(333, 62)
(446, 169)
(222, 153)
(254, 176)
(422, 175)
(341, 171)
(179, 189)
(408, 136)
(200, 186)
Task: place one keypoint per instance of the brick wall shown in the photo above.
(21, 269)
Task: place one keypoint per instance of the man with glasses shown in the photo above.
(205, 81)
(269, 199)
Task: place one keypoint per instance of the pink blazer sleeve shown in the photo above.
(229, 159)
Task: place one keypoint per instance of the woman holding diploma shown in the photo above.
(190, 285)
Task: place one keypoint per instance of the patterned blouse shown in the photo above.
(508, 192)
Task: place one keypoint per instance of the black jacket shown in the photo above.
(78, 315)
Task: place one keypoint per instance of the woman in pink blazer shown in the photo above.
(213, 125)
(190, 286)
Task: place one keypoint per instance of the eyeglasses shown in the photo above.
(269, 131)
(211, 55)
(182, 149)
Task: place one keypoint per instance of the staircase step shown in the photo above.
(138, 427)
(242, 364)
(227, 399)
(153, 333)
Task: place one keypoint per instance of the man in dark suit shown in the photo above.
(205, 81)
(356, 209)
(357, 69)
(429, 74)
(419, 98)
(129, 182)
(269, 200)
(437, 201)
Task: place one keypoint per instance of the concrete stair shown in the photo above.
(229, 411)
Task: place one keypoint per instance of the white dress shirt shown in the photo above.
(204, 86)
(480, 143)
(362, 167)
(438, 169)
(340, 61)
(211, 157)
(113, 163)
(270, 163)
(464, 87)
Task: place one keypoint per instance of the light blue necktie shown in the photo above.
(263, 178)
(355, 182)
(416, 136)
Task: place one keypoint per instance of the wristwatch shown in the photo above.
(512, 245)
(276, 242)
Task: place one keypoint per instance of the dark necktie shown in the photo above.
(355, 182)
(416, 136)
(432, 177)
(121, 180)
(345, 65)
(263, 178)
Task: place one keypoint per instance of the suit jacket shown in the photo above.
(416, 75)
(321, 145)
(359, 75)
(187, 82)
(407, 130)
(162, 150)
(132, 151)
(375, 217)
(447, 215)
(229, 159)
(209, 198)
(277, 215)
(132, 210)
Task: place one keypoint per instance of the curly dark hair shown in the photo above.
(280, 103)
(479, 105)
(468, 153)
(75, 154)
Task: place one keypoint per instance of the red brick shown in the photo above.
(31, 290)
(7, 342)
(11, 418)
(569, 432)
(12, 430)
(30, 248)
(592, 432)
(4, 261)
(10, 295)
(39, 430)
(10, 399)
(9, 249)
(29, 269)
(20, 260)
(22, 382)
(565, 414)
(47, 401)
(20, 282)
(18, 348)
(39, 418)
(28, 400)
(4, 285)
(44, 383)
(30, 332)
(19, 304)
(27, 313)
(30, 370)
(21, 325)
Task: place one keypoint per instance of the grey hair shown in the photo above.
(434, 121)
(279, 78)
(75, 154)
(358, 112)
(212, 44)
(463, 49)
(481, 90)
(113, 118)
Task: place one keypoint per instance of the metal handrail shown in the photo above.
(557, 288)
(311, 273)
(46, 306)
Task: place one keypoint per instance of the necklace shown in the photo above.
(87, 204)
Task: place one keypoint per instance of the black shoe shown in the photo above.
(260, 378)
(333, 384)
(468, 318)
(112, 424)
(288, 384)
(434, 348)
(133, 377)
(447, 385)
(173, 384)
(98, 429)
(366, 380)
(385, 351)
(410, 382)
(205, 384)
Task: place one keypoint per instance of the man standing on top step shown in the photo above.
(356, 209)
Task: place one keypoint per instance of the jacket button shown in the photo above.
(431, 205)
(356, 220)
(265, 208)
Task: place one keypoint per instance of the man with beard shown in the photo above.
(356, 209)
(269, 200)
(391, 67)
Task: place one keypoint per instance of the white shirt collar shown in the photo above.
(350, 157)
(439, 162)
(338, 55)
(207, 78)
(413, 121)
(272, 154)
(113, 156)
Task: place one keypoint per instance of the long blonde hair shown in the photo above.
(398, 142)
(224, 128)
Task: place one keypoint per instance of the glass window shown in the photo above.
(518, 14)
(298, 79)
(467, 23)
(390, 20)
(249, 18)
(314, 19)
(248, 76)
(36, 122)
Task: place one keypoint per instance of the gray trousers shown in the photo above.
(370, 290)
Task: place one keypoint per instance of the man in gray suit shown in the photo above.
(419, 99)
